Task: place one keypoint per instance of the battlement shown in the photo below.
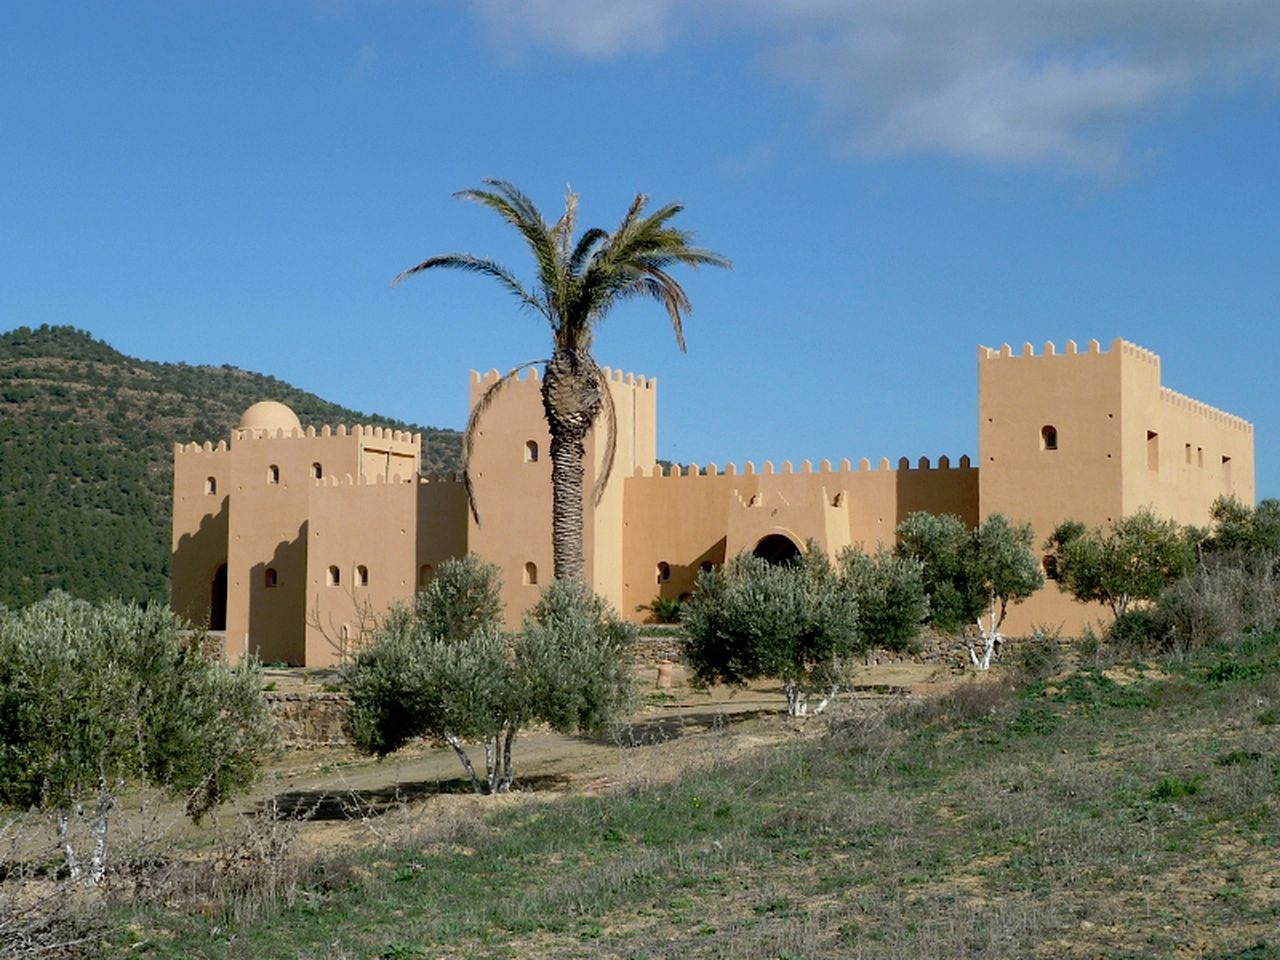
(806, 467)
(341, 430)
(1070, 349)
(1212, 414)
(206, 447)
(532, 375)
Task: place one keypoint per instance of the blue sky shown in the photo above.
(896, 183)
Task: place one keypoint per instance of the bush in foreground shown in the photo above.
(444, 671)
(96, 697)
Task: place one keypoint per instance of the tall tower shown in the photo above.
(1093, 436)
(510, 473)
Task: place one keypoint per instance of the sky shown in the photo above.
(895, 181)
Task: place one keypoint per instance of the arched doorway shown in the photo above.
(777, 548)
(218, 600)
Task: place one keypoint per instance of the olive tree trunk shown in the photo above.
(571, 399)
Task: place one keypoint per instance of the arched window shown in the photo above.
(1048, 437)
(334, 577)
(211, 485)
(317, 471)
(531, 451)
(362, 575)
(270, 578)
(664, 571)
(425, 573)
(530, 574)
(273, 474)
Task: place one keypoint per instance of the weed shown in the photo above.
(1172, 788)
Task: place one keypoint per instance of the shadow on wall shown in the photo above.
(676, 581)
(199, 556)
(277, 592)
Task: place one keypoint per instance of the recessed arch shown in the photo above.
(1048, 437)
(333, 577)
(317, 471)
(270, 578)
(530, 574)
(664, 571)
(273, 474)
(531, 451)
(777, 548)
(362, 575)
(211, 485)
(425, 574)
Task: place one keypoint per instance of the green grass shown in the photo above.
(1081, 818)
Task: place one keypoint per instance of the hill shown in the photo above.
(86, 458)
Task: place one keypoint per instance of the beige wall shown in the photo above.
(694, 518)
(513, 493)
(391, 530)
(200, 520)
(1102, 404)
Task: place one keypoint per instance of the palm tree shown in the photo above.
(579, 279)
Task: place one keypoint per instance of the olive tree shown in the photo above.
(443, 670)
(889, 590)
(1133, 562)
(95, 697)
(795, 621)
(971, 577)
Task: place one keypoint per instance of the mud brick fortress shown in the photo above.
(291, 540)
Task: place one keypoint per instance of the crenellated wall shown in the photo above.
(677, 523)
(320, 530)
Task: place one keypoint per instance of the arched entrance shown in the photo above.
(218, 600)
(777, 548)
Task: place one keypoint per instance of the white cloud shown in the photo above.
(591, 28)
(1001, 81)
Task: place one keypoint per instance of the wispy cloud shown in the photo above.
(1001, 81)
(365, 60)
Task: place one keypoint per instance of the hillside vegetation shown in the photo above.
(86, 458)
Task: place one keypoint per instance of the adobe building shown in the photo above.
(294, 541)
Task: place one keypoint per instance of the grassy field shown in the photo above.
(1115, 810)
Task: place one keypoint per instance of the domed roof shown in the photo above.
(270, 415)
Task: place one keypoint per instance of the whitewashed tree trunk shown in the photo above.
(98, 860)
(64, 841)
(989, 631)
(476, 784)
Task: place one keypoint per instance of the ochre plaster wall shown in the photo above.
(200, 524)
(391, 530)
(696, 517)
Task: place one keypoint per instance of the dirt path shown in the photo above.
(335, 793)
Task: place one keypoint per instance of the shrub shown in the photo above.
(1229, 594)
(795, 621)
(443, 670)
(92, 698)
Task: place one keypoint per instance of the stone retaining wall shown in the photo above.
(308, 719)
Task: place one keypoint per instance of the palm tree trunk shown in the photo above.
(571, 399)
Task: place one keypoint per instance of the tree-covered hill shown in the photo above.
(86, 458)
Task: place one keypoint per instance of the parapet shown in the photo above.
(1070, 349)
(341, 430)
(748, 468)
(1212, 414)
(532, 375)
(205, 447)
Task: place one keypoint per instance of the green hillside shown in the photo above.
(86, 458)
